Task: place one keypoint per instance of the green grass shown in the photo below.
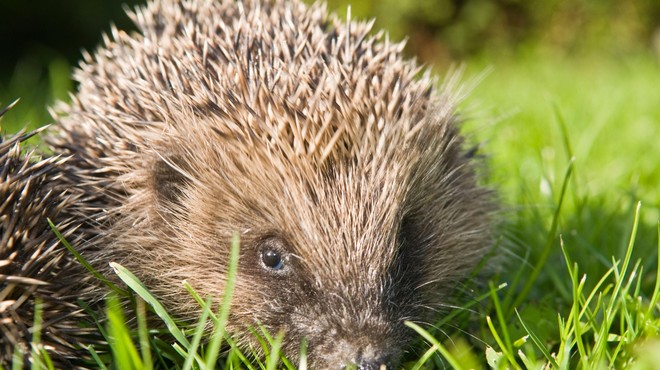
(572, 150)
(572, 154)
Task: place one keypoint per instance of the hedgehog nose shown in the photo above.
(368, 365)
(372, 365)
(373, 362)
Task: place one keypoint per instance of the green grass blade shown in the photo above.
(136, 285)
(124, 352)
(549, 242)
(500, 317)
(199, 331)
(143, 333)
(460, 309)
(302, 362)
(434, 345)
(653, 304)
(274, 357)
(234, 350)
(539, 344)
(84, 262)
(202, 303)
(17, 359)
(626, 261)
(96, 358)
(559, 117)
(36, 334)
(609, 314)
(223, 316)
(500, 343)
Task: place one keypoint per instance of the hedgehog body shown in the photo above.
(336, 160)
(36, 272)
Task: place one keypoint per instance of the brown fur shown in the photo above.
(305, 134)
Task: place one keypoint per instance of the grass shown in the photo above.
(572, 145)
(572, 154)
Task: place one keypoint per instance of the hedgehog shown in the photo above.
(337, 160)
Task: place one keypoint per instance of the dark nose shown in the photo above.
(376, 365)
(372, 366)
(366, 362)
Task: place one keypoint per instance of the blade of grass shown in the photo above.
(36, 334)
(234, 349)
(40, 358)
(199, 331)
(458, 310)
(609, 313)
(567, 145)
(626, 259)
(539, 344)
(656, 289)
(143, 333)
(274, 357)
(202, 303)
(302, 363)
(123, 349)
(84, 262)
(271, 344)
(545, 253)
(577, 329)
(500, 317)
(96, 358)
(575, 312)
(136, 285)
(17, 359)
(437, 346)
(503, 347)
(223, 316)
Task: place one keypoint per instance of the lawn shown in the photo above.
(572, 150)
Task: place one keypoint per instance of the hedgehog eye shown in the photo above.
(272, 259)
(273, 253)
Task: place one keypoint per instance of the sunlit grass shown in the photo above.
(572, 154)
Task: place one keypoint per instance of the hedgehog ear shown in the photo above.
(169, 179)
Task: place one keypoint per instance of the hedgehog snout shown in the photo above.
(355, 342)
(352, 353)
(370, 358)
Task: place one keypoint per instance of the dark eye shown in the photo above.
(272, 259)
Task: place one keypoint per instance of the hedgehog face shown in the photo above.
(321, 249)
(339, 254)
(336, 282)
